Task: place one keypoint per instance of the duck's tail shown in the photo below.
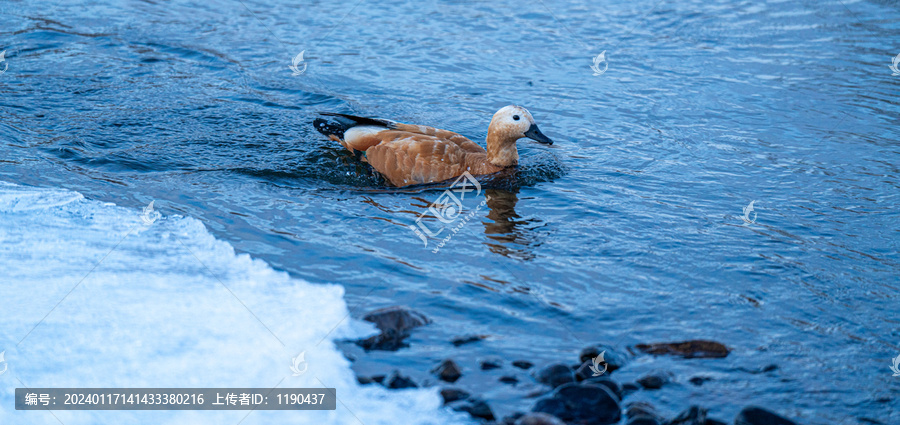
(344, 122)
(352, 132)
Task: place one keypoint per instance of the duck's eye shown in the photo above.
(516, 117)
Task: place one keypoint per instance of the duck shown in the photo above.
(410, 154)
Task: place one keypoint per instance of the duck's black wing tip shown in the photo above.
(330, 128)
(355, 120)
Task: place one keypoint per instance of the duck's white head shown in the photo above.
(508, 125)
(516, 121)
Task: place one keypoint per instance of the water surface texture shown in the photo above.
(629, 229)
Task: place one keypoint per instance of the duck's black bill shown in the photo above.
(534, 133)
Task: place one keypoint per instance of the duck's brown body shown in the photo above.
(413, 154)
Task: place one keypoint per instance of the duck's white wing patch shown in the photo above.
(356, 134)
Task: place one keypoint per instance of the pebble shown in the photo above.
(397, 381)
(394, 324)
(451, 394)
(555, 375)
(699, 380)
(694, 415)
(753, 415)
(365, 380)
(613, 359)
(476, 407)
(466, 339)
(489, 364)
(512, 380)
(688, 349)
(655, 380)
(608, 383)
(582, 403)
(448, 371)
(523, 364)
(538, 419)
(629, 387)
(642, 413)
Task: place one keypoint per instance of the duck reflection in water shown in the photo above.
(514, 236)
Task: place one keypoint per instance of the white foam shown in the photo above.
(156, 313)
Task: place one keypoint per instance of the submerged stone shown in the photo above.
(448, 371)
(555, 375)
(655, 380)
(687, 349)
(753, 415)
(394, 324)
(537, 418)
(582, 404)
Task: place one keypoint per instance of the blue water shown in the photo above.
(627, 230)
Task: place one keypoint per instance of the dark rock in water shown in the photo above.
(586, 371)
(523, 364)
(394, 324)
(537, 391)
(555, 375)
(636, 408)
(710, 421)
(450, 394)
(608, 383)
(396, 318)
(448, 371)
(699, 380)
(694, 415)
(629, 387)
(511, 419)
(588, 353)
(655, 380)
(552, 405)
(642, 413)
(461, 340)
(397, 381)
(753, 415)
(365, 380)
(642, 420)
(512, 380)
(489, 364)
(582, 404)
(688, 349)
(538, 419)
(475, 407)
(764, 369)
(611, 358)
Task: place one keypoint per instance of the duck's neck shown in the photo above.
(501, 148)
